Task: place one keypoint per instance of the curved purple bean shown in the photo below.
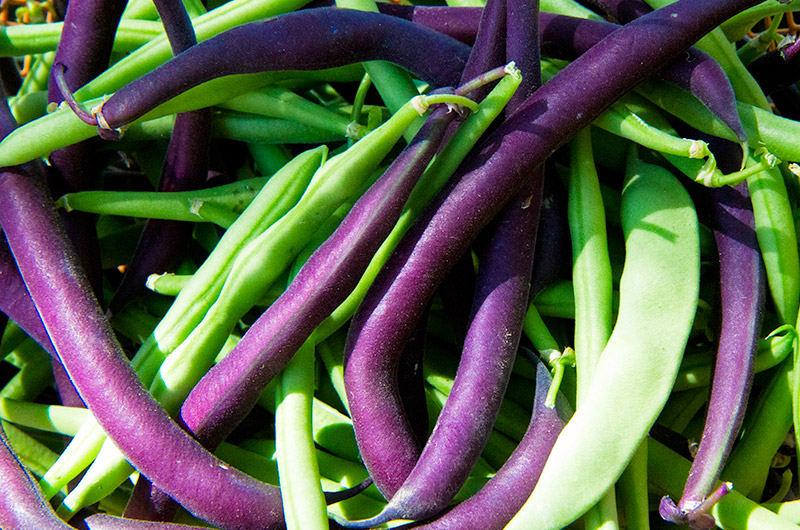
(231, 388)
(500, 498)
(143, 431)
(742, 291)
(696, 72)
(499, 307)
(341, 37)
(22, 506)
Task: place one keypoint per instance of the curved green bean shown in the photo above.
(632, 381)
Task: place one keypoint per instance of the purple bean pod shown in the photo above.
(144, 432)
(466, 420)
(566, 37)
(742, 288)
(230, 389)
(505, 493)
(22, 506)
(341, 37)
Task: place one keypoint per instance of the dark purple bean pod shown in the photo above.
(186, 168)
(501, 498)
(386, 439)
(461, 23)
(488, 179)
(498, 310)
(16, 302)
(340, 37)
(22, 506)
(742, 288)
(143, 431)
(465, 422)
(566, 37)
(230, 389)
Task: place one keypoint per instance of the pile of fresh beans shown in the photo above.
(524, 264)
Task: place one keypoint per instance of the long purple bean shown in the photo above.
(143, 431)
(566, 37)
(22, 505)
(385, 437)
(230, 389)
(742, 289)
(499, 500)
(341, 37)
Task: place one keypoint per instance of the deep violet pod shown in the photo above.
(487, 180)
(22, 506)
(742, 293)
(143, 431)
(564, 37)
(493, 506)
(390, 464)
(567, 37)
(341, 37)
(465, 422)
(219, 402)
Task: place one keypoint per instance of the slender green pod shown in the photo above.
(591, 280)
(777, 240)
(591, 272)
(303, 501)
(176, 205)
(632, 381)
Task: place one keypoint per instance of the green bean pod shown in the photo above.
(658, 297)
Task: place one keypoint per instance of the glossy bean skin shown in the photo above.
(631, 382)
(345, 36)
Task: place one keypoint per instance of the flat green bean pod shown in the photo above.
(634, 376)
